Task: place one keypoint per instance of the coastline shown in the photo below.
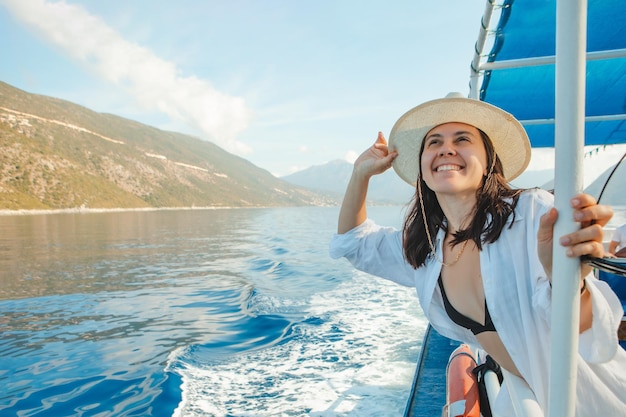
(83, 210)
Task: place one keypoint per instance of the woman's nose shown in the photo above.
(447, 150)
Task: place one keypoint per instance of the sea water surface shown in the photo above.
(224, 312)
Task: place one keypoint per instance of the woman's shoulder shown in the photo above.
(533, 201)
(537, 196)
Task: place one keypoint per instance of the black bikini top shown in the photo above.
(465, 321)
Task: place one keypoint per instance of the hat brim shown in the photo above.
(507, 134)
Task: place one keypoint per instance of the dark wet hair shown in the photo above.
(495, 203)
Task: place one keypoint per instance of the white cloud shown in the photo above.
(155, 83)
(351, 156)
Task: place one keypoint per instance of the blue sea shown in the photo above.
(206, 312)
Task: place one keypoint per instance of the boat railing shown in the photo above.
(522, 398)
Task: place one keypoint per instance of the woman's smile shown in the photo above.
(448, 167)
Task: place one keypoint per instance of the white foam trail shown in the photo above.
(355, 355)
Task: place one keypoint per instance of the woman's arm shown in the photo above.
(375, 160)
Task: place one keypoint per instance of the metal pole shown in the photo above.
(475, 70)
(571, 31)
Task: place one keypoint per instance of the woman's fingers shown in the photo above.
(587, 241)
(380, 140)
(382, 151)
(592, 217)
(587, 211)
(375, 159)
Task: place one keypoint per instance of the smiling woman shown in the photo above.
(479, 253)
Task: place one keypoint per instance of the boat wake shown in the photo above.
(351, 352)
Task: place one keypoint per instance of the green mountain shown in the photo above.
(55, 154)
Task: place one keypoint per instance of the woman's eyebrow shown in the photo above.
(463, 132)
(434, 135)
(460, 132)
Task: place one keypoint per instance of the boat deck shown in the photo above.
(428, 394)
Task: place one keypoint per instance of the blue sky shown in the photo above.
(284, 84)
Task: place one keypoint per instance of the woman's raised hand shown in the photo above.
(376, 159)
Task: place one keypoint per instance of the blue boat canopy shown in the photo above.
(514, 68)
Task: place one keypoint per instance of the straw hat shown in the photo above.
(509, 138)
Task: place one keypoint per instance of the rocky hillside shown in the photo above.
(55, 154)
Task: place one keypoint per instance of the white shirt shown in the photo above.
(619, 235)
(518, 295)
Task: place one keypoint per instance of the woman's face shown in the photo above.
(454, 159)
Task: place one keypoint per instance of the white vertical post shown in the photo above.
(571, 32)
(479, 47)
